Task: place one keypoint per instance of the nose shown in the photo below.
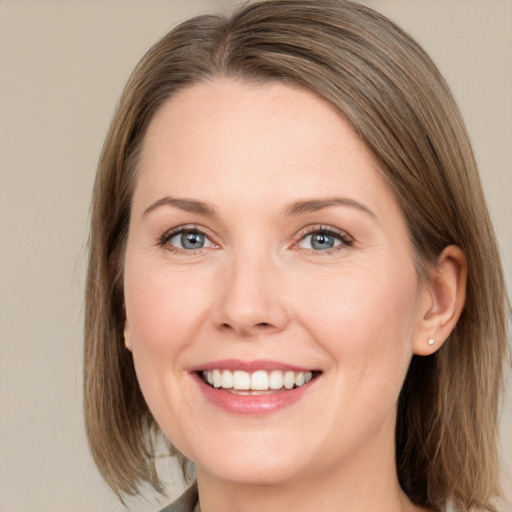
(251, 301)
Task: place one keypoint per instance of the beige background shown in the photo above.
(62, 66)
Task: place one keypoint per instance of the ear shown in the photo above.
(445, 297)
(126, 335)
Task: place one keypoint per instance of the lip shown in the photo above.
(247, 366)
(250, 405)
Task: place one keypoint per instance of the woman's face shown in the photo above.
(266, 252)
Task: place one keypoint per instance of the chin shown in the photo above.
(258, 473)
(252, 464)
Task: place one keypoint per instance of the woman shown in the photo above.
(292, 272)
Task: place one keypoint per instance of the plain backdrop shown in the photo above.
(62, 67)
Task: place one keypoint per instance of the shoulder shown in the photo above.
(185, 503)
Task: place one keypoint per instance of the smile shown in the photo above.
(257, 382)
(253, 388)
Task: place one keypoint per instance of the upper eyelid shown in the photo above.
(347, 241)
(302, 233)
(170, 233)
(318, 228)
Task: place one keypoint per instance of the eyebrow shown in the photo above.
(294, 209)
(313, 205)
(188, 205)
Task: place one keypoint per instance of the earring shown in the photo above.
(431, 341)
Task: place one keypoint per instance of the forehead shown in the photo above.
(265, 140)
(273, 109)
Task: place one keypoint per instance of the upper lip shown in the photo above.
(249, 366)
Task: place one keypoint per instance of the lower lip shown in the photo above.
(251, 405)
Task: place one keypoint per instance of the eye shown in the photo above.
(319, 241)
(323, 239)
(187, 239)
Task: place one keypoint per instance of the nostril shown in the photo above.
(244, 331)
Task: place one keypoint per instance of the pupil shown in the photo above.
(322, 241)
(192, 240)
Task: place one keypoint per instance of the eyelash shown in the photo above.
(169, 235)
(342, 236)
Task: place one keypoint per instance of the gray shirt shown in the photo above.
(186, 502)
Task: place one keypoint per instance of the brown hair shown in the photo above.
(393, 96)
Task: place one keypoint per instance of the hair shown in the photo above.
(390, 92)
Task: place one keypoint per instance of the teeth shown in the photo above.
(276, 379)
(217, 378)
(227, 380)
(241, 380)
(289, 380)
(257, 381)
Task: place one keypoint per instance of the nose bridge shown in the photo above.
(251, 301)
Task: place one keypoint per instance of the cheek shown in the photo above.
(163, 309)
(163, 314)
(365, 319)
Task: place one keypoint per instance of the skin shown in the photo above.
(259, 290)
